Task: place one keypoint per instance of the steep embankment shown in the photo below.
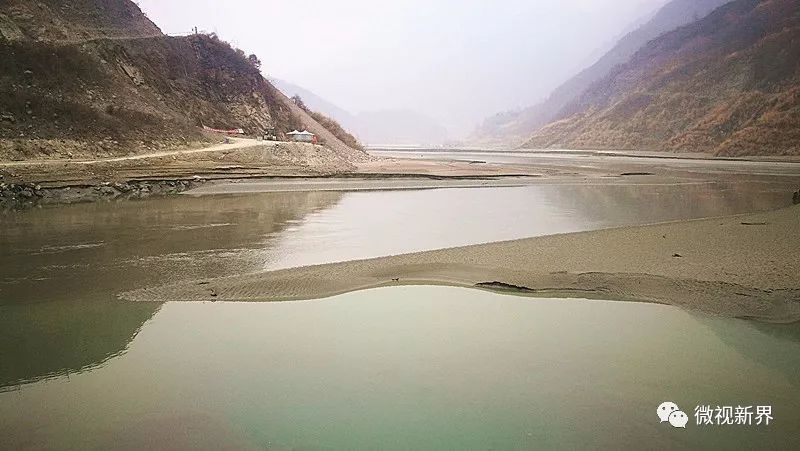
(515, 127)
(317, 103)
(727, 84)
(104, 81)
(74, 20)
(329, 124)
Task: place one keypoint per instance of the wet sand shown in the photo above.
(353, 184)
(378, 182)
(743, 266)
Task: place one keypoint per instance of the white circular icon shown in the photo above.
(678, 419)
(665, 409)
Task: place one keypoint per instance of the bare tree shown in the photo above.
(299, 102)
(254, 61)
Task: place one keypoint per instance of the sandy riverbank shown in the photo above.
(246, 166)
(360, 183)
(740, 266)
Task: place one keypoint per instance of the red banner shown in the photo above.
(236, 131)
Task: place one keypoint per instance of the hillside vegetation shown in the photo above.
(73, 20)
(728, 84)
(107, 82)
(514, 127)
(330, 124)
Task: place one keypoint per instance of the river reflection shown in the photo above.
(373, 224)
(783, 360)
(416, 368)
(61, 268)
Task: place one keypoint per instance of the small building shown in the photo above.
(304, 137)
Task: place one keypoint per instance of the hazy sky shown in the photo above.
(457, 61)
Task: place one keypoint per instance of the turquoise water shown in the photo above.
(418, 368)
(391, 369)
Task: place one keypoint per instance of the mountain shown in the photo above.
(316, 103)
(76, 20)
(330, 124)
(98, 78)
(516, 126)
(395, 127)
(399, 127)
(728, 84)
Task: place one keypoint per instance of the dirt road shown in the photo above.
(235, 144)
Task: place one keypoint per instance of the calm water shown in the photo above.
(418, 368)
(80, 368)
(595, 160)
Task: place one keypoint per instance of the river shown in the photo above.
(410, 367)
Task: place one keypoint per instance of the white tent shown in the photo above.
(304, 136)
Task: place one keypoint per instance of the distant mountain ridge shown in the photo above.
(399, 127)
(728, 84)
(391, 126)
(516, 126)
(315, 102)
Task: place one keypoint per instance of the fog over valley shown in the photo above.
(455, 62)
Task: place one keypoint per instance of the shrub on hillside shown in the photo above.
(336, 129)
(330, 124)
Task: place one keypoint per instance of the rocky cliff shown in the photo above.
(74, 20)
(97, 78)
